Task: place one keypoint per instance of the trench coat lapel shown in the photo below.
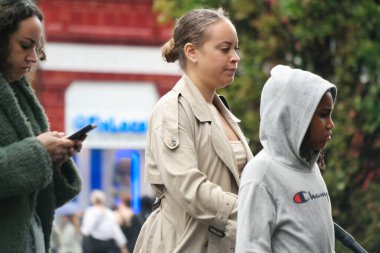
(234, 124)
(223, 150)
(202, 112)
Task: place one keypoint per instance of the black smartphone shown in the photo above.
(82, 132)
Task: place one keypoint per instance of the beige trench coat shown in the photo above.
(192, 169)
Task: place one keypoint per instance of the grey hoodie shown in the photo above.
(283, 203)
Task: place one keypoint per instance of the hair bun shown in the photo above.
(169, 51)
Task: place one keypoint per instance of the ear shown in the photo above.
(190, 52)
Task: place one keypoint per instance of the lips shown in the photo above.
(27, 68)
(231, 71)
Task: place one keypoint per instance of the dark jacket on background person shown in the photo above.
(28, 182)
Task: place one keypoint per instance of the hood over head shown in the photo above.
(288, 102)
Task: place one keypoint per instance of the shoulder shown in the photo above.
(169, 116)
(110, 214)
(171, 103)
(166, 104)
(92, 210)
(257, 169)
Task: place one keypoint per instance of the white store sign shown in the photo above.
(121, 111)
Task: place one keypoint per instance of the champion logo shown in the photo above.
(303, 196)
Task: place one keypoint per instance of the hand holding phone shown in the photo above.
(81, 133)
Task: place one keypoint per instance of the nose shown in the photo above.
(235, 57)
(330, 124)
(32, 56)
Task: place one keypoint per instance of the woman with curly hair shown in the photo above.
(36, 172)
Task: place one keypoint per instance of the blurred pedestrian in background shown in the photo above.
(124, 214)
(195, 148)
(101, 232)
(36, 172)
(123, 211)
(132, 229)
(69, 235)
(284, 205)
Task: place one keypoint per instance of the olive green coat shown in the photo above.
(28, 182)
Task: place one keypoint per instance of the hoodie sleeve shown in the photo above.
(256, 219)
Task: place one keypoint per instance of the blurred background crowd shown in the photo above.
(72, 224)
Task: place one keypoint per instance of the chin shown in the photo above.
(14, 79)
(317, 148)
(228, 82)
(224, 85)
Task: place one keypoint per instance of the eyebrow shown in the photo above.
(227, 42)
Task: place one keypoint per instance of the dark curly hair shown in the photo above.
(307, 153)
(12, 12)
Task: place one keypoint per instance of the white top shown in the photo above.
(100, 223)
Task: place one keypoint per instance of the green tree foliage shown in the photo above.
(340, 41)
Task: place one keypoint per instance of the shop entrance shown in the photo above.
(117, 173)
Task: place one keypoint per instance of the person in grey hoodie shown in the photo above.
(283, 204)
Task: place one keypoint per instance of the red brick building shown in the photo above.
(104, 65)
(97, 22)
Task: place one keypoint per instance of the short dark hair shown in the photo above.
(12, 12)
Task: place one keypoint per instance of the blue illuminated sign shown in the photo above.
(109, 125)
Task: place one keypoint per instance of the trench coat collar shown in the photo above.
(187, 89)
(200, 108)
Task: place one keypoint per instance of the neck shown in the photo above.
(10, 79)
(5, 77)
(206, 92)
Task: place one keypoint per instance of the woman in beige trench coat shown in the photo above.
(195, 149)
